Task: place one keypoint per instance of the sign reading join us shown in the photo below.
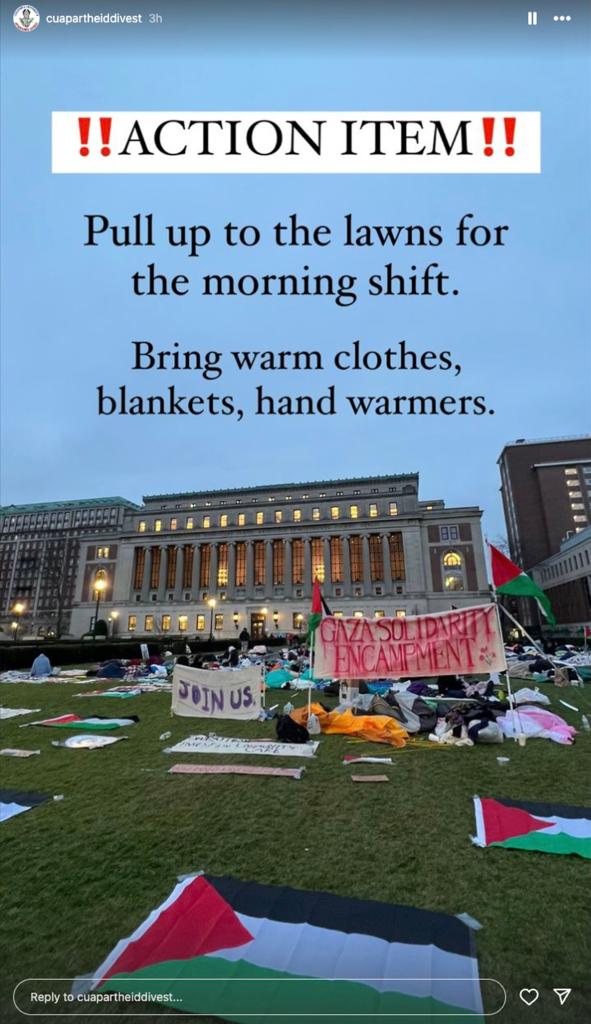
(200, 693)
(305, 142)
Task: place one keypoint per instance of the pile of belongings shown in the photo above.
(536, 722)
(476, 721)
(373, 727)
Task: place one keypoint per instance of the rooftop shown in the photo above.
(523, 442)
(55, 506)
(281, 486)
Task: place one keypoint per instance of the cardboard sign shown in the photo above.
(233, 745)
(199, 693)
(466, 641)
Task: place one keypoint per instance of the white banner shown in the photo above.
(233, 745)
(202, 693)
(296, 142)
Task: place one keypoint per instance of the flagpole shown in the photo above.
(310, 680)
(512, 706)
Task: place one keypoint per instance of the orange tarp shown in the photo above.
(377, 728)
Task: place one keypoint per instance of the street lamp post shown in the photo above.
(18, 610)
(275, 620)
(99, 586)
(14, 627)
(212, 603)
(236, 619)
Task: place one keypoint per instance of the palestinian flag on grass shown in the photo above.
(237, 950)
(548, 828)
(319, 606)
(96, 724)
(14, 801)
(508, 578)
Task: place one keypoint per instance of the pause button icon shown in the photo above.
(532, 18)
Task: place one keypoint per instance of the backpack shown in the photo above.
(289, 731)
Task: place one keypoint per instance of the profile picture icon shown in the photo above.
(26, 18)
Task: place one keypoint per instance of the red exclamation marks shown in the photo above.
(105, 123)
(509, 135)
(84, 129)
(488, 125)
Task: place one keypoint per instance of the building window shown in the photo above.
(401, 613)
(337, 615)
(139, 561)
(131, 623)
(397, 566)
(224, 520)
(166, 623)
(241, 564)
(173, 524)
(358, 615)
(376, 558)
(190, 523)
(452, 581)
(171, 566)
(571, 472)
(354, 511)
(575, 505)
(297, 621)
(356, 559)
(260, 518)
(259, 563)
(156, 558)
(335, 512)
(373, 511)
(183, 623)
(218, 622)
(449, 533)
(575, 494)
(188, 558)
(297, 561)
(158, 525)
(148, 623)
(315, 513)
(206, 522)
(241, 519)
(141, 526)
(336, 560)
(297, 515)
(200, 623)
(204, 565)
(278, 515)
(580, 519)
(393, 508)
(104, 552)
(278, 562)
(452, 559)
(222, 574)
(378, 614)
(317, 545)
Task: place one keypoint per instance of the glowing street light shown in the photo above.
(100, 584)
(212, 603)
(18, 609)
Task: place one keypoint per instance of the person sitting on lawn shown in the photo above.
(40, 667)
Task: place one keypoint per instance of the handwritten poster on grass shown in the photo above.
(202, 693)
(464, 641)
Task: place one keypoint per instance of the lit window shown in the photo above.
(358, 615)
(393, 508)
(452, 559)
(570, 472)
(260, 518)
(148, 623)
(575, 494)
(297, 621)
(206, 522)
(190, 523)
(315, 513)
(131, 623)
(577, 506)
(224, 520)
(219, 622)
(354, 512)
(378, 614)
(278, 515)
(453, 582)
(183, 623)
(104, 552)
(141, 527)
(200, 623)
(337, 615)
(401, 613)
(572, 482)
(335, 512)
(241, 519)
(166, 623)
(317, 551)
(580, 519)
(373, 511)
(158, 525)
(297, 515)
(173, 524)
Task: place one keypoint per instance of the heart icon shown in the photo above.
(529, 996)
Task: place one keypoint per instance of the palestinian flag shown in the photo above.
(13, 802)
(96, 724)
(319, 606)
(508, 578)
(246, 952)
(547, 828)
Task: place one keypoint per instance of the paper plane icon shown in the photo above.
(563, 994)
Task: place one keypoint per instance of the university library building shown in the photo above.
(210, 563)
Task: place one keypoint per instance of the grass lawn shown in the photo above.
(82, 873)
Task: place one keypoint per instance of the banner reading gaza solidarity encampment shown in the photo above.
(445, 643)
(199, 693)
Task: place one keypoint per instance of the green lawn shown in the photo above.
(82, 873)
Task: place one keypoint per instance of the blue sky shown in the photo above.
(520, 327)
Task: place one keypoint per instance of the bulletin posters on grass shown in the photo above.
(203, 693)
(464, 641)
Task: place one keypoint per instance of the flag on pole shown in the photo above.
(319, 606)
(508, 578)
